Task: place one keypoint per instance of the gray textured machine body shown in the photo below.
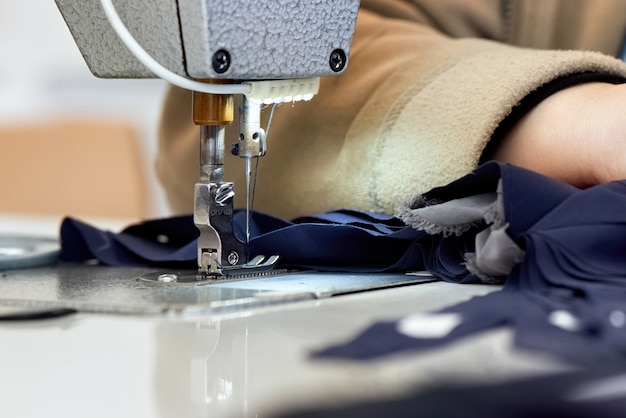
(223, 39)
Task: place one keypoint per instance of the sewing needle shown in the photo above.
(248, 198)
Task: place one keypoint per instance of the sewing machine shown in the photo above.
(229, 348)
(262, 51)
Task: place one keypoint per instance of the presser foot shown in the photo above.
(218, 248)
(258, 264)
(259, 267)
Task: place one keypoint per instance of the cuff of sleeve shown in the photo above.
(538, 95)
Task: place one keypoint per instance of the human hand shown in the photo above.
(577, 135)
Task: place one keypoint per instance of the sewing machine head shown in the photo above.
(264, 51)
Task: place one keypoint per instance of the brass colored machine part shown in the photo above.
(213, 109)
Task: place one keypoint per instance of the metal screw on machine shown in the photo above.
(221, 61)
(337, 60)
(233, 258)
(167, 278)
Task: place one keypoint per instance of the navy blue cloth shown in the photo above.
(574, 264)
(574, 267)
(337, 241)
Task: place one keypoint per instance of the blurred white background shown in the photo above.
(43, 76)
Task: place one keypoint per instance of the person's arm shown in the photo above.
(577, 135)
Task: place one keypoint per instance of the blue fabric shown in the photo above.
(624, 50)
(337, 241)
(575, 263)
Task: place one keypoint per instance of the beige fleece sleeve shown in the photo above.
(414, 110)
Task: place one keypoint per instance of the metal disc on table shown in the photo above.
(26, 251)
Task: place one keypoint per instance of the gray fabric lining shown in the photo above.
(448, 218)
(496, 254)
